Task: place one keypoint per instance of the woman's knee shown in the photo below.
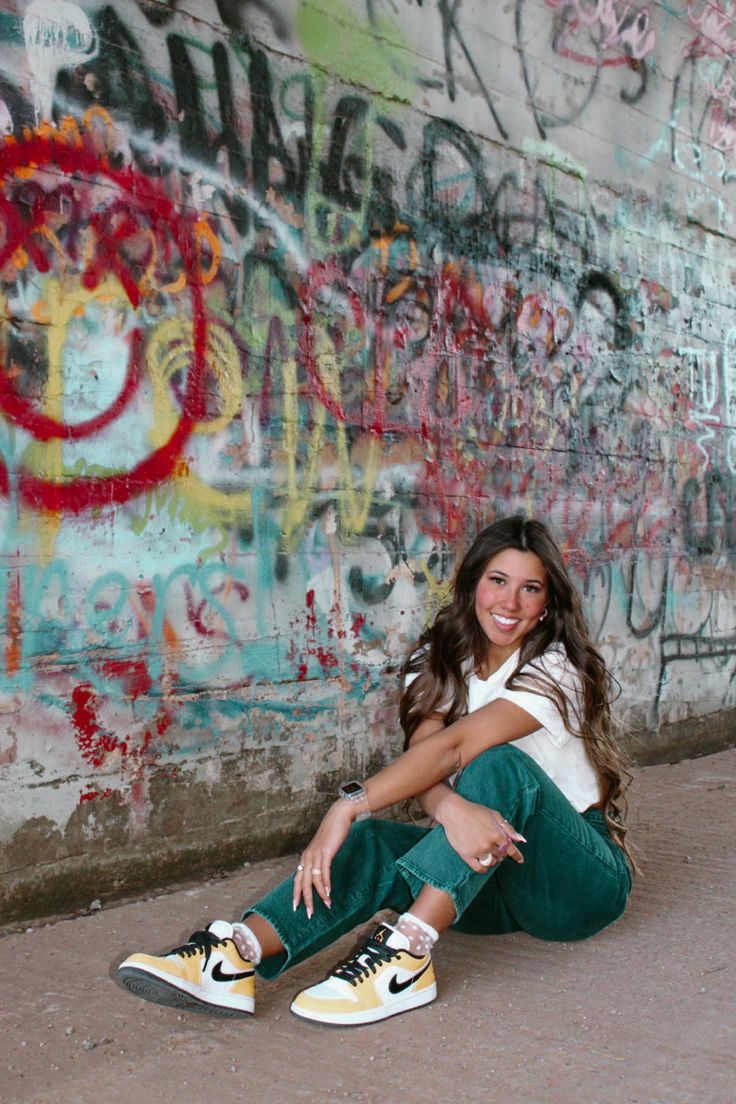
(501, 767)
(504, 757)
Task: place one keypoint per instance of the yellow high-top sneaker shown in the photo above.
(381, 979)
(206, 974)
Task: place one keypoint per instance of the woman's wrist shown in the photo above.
(349, 809)
(444, 800)
(355, 794)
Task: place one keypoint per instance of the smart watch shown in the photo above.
(354, 791)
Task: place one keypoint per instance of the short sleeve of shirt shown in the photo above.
(555, 666)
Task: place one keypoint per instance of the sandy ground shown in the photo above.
(644, 1013)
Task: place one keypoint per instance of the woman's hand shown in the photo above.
(313, 871)
(480, 835)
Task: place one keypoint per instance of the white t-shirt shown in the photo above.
(558, 751)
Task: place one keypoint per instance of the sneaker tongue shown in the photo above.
(390, 937)
(220, 929)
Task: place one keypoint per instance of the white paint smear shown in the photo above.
(58, 34)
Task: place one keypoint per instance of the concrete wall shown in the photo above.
(296, 297)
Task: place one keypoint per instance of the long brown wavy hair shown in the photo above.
(455, 643)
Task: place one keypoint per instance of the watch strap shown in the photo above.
(354, 792)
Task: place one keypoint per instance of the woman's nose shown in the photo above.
(511, 598)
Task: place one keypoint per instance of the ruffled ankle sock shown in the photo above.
(422, 937)
(247, 943)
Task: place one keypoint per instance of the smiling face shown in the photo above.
(509, 600)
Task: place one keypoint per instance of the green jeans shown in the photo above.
(574, 880)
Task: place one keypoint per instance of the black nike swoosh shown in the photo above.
(217, 974)
(395, 986)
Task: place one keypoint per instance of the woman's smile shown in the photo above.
(505, 622)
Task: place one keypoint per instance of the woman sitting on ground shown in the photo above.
(505, 708)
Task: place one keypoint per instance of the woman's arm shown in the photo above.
(448, 750)
(468, 825)
(435, 757)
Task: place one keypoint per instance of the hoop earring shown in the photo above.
(546, 611)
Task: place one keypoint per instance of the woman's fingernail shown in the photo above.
(310, 913)
(328, 902)
(293, 906)
(520, 837)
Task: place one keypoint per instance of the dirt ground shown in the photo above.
(643, 1013)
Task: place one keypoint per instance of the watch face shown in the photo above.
(351, 789)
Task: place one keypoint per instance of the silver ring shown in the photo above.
(316, 871)
(486, 860)
(300, 867)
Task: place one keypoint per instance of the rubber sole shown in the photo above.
(158, 991)
(376, 1015)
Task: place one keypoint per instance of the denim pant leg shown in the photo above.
(573, 882)
(365, 879)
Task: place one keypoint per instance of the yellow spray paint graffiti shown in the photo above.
(168, 353)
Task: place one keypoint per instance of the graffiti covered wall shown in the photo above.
(296, 296)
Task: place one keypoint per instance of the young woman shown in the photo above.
(505, 707)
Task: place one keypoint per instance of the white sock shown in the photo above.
(247, 943)
(422, 936)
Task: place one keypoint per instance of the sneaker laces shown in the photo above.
(364, 962)
(199, 942)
